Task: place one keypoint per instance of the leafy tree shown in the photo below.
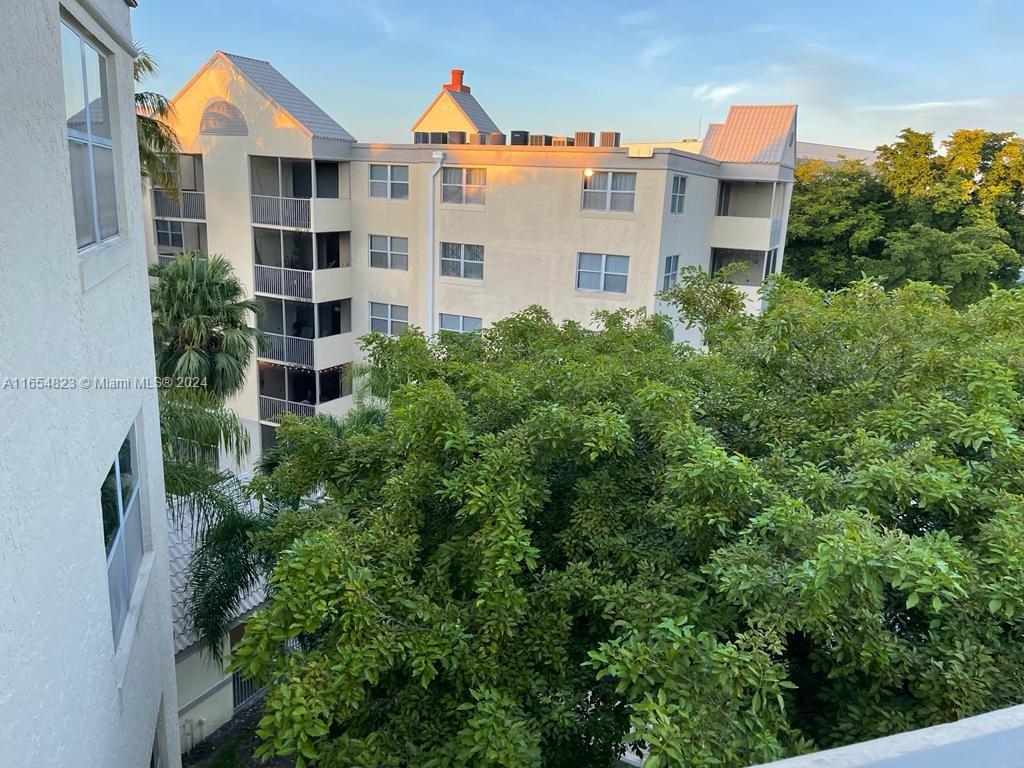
(955, 218)
(201, 322)
(838, 215)
(158, 143)
(558, 544)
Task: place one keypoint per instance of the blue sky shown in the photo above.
(860, 71)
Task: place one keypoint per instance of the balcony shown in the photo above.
(281, 211)
(332, 214)
(191, 206)
(281, 281)
(272, 408)
(747, 233)
(289, 349)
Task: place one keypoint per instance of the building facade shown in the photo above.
(461, 227)
(86, 661)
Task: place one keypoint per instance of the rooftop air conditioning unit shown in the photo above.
(519, 138)
(438, 137)
(584, 138)
(456, 137)
(540, 140)
(610, 138)
(421, 137)
(476, 138)
(495, 137)
(562, 141)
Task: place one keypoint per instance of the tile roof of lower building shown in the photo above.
(751, 134)
(280, 89)
(181, 543)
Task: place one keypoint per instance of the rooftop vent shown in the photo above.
(584, 138)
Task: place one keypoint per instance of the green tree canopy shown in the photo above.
(955, 219)
(556, 544)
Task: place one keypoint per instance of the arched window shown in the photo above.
(223, 119)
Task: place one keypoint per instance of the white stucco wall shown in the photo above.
(992, 740)
(68, 697)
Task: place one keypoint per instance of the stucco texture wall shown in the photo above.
(68, 697)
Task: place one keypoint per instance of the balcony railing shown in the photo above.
(280, 211)
(289, 349)
(243, 690)
(191, 206)
(279, 281)
(271, 408)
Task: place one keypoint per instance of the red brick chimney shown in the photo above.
(456, 83)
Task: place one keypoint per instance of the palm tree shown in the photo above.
(201, 322)
(194, 428)
(158, 144)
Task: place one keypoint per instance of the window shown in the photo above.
(335, 382)
(601, 272)
(464, 185)
(678, 193)
(122, 529)
(460, 323)
(326, 179)
(724, 193)
(390, 181)
(462, 260)
(671, 276)
(90, 141)
(334, 317)
(390, 319)
(169, 233)
(332, 250)
(608, 191)
(388, 252)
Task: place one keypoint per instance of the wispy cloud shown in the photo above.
(637, 18)
(718, 94)
(655, 48)
(926, 106)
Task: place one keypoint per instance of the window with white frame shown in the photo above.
(387, 252)
(609, 191)
(90, 139)
(169, 233)
(678, 193)
(671, 275)
(122, 529)
(389, 181)
(460, 323)
(390, 319)
(464, 185)
(601, 272)
(462, 260)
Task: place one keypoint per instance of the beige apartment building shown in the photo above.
(455, 230)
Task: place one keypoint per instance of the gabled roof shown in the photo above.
(476, 114)
(469, 106)
(280, 89)
(181, 542)
(751, 134)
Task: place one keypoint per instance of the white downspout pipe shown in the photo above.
(432, 270)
